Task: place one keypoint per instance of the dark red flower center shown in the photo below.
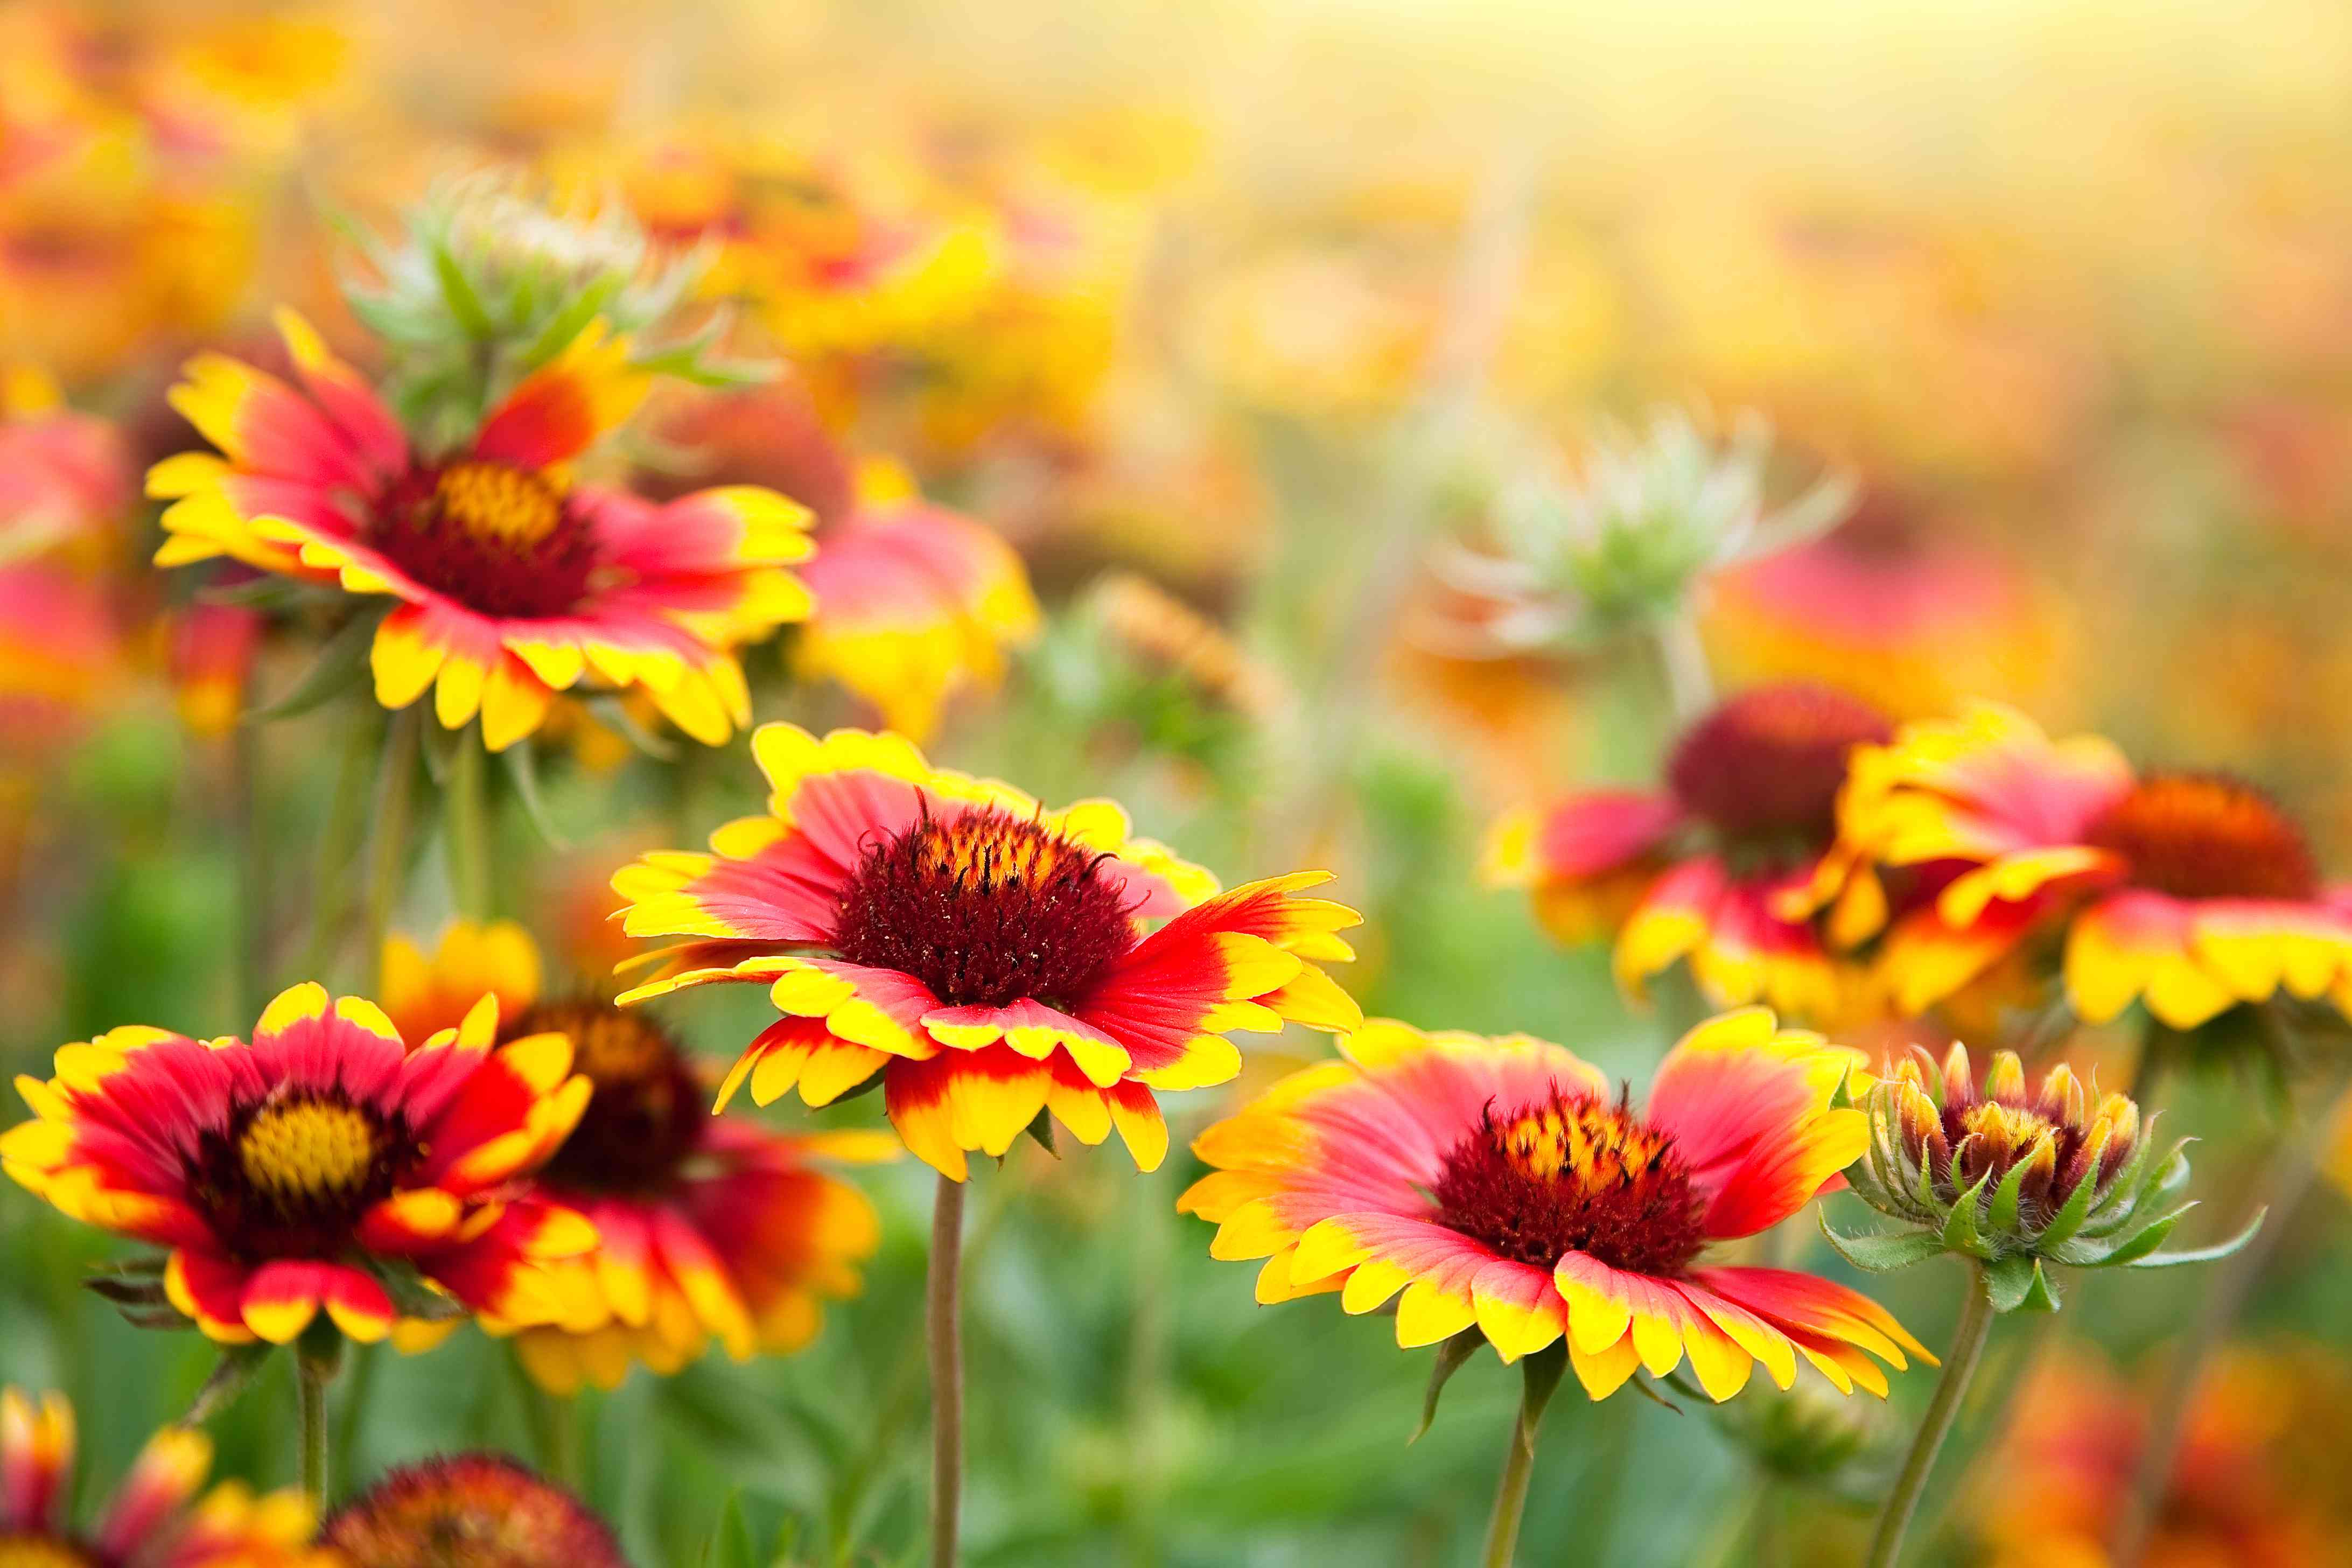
(470, 1511)
(2207, 835)
(1764, 768)
(499, 540)
(42, 1551)
(647, 1114)
(985, 908)
(293, 1175)
(1570, 1174)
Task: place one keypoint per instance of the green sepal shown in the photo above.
(2071, 1214)
(2219, 1250)
(2017, 1283)
(1041, 1128)
(1540, 1371)
(614, 714)
(522, 766)
(2145, 1241)
(464, 305)
(1450, 1357)
(1960, 1233)
(412, 1296)
(2001, 1220)
(1883, 1254)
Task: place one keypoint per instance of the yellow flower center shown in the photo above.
(498, 504)
(307, 1148)
(1584, 1143)
(2007, 1129)
(38, 1551)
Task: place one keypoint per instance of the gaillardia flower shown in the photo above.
(2014, 1180)
(706, 1227)
(154, 1518)
(469, 1510)
(989, 958)
(1726, 867)
(1499, 1185)
(513, 583)
(325, 1166)
(2192, 892)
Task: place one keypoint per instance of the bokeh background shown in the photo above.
(1224, 315)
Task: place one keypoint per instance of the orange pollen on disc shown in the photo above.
(1572, 1174)
(648, 1113)
(1764, 768)
(498, 504)
(39, 1551)
(2207, 835)
(985, 908)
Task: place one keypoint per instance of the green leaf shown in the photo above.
(342, 666)
(1877, 1254)
(2219, 1250)
(1450, 1358)
(231, 1376)
(522, 767)
(730, 1544)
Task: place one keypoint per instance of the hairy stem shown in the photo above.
(466, 829)
(1959, 1366)
(944, 1332)
(1541, 1376)
(310, 1378)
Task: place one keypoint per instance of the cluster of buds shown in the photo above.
(1628, 544)
(2015, 1182)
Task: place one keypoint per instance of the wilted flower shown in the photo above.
(1625, 545)
(987, 957)
(1501, 1187)
(706, 1227)
(1726, 865)
(469, 1510)
(2013, 1181)
(325, 1166)
(513, 583)
(154, 1518)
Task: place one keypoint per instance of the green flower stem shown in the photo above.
(312, 1375)
(243, 808)
(1541, 1375)
(2289, 1180)
(944, 1333)
(553, 1421)
(466, 828)
(338, 841)
(1959, 1366)
(396, 785)
(1690, 683)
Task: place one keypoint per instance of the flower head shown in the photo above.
(469, 1510)
(325, 1166)
(708, 1227)
(2015, 1179)
(1499, 1185)
(1721, 866)
(2193, 893)
(989, 958)
(155, 1520)
(512, 582)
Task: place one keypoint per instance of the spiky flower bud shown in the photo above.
(490, 276)
(2015, 1180)
(1625, 545)
(1810, 1435)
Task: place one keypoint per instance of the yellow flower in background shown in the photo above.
(708, 1227)
(155, 1518)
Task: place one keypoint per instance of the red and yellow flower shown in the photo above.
(1730, 867)
(2192, 892)
(300, 1173)
(154, 1518)
(513, 583)
(499, 1514)
(1497, 1185)
(913, 601)
(708, 1227)
(990, 959)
